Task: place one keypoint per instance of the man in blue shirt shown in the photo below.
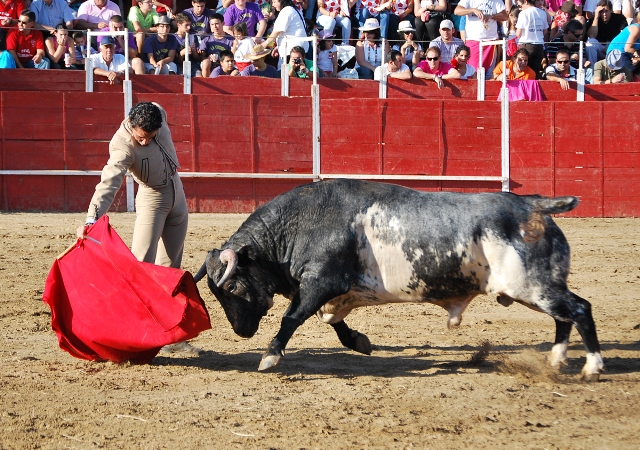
(50, 13)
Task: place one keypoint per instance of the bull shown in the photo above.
(333, 246)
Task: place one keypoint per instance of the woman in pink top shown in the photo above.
(57, 48)
(433, 69)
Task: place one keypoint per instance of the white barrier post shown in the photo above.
(580, 76)
(382, 91)
(480, 73)
(186, 65)
(505, 128)
(315, 110)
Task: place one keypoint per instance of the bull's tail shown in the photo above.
(201, 273)
(555, 205)
(533, 229)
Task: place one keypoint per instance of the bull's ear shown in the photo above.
(246, 253)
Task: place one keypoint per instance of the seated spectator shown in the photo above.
(26, 45)
(258, 67)
(327, 55)
(376, 10)
(395, 68)
(332, 12)
(242, 45)
(80, 43)
(636, 65)
(200, 16)
(249, 13)
(432, 69)
(570, 41)
(60, 49)
(142, 20)
(109, 64)
(611, 70)
(160, 49)
(182, 36)
(369, 49)
(211, 46)
(226, 67)
(460, 63)
(6, 60)
(411, 49)
(298, 66)
(517, 68)
(602, 29)
(50, 13)
(95, 14)
(10, 12)
(116, 23)
(627, 42)
(564, 15)
(561, 71)
(161, 8)
(401, 11)
(446, 42)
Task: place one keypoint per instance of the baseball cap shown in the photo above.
(107, 40)
(447, 24)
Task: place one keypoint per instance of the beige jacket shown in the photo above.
(152, 166)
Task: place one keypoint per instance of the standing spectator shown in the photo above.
(142, 20)
(6, 60)
(331, 12)
(116, 23)
(377, 10)
(199, 17)
(481, 25)
(446, 42)
(80, 41)
(531, 31)
(10, 11)
(369, 49)
(611, 70)
(50, 13)
(186, 42)
(395, 67)
(432, 69)
(60, 49)
(429, 14)
(411, 50)
(26, 45)
(290, 24)
(249, 13)
(561, 71)
(95, 14)
(259, 68)
(627, 42)
(517, 68)
(107, 63)
(461, 63)
(211, 46)
(602, 29)
(226, 67)
(160, 49)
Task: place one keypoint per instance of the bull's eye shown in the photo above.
(231, 286)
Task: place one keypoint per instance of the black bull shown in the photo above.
(333, 246)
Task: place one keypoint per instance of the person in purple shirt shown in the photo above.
(160, 49)
(258, 66)
(226, 66)
(211, 46)
(249, 13)
(116, 23)
(199, 17)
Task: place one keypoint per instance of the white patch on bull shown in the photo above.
(558, 354)
(593, 367)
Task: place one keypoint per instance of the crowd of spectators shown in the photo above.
(368, 39)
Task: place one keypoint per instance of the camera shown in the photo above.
(297, 61)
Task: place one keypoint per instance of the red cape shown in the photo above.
(107, 305)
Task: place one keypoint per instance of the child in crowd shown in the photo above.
(327, 54)
(80, 41)
(242, 46)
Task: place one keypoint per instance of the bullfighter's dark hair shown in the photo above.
(146, 116)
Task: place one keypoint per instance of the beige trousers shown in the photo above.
(161, 224)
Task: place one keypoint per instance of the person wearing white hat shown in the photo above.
(369, 49)
(446, 42)
(332, 12)
(375, 9)
(611, 70)
(410, 48)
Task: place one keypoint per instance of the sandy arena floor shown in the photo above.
(418, 389)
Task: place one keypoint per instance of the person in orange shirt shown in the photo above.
(517, 68)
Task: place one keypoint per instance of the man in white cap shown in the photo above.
(446, 42)
(611, 70)
(108, 63)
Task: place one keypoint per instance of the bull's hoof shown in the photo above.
(590, 377)
(454, 322)
(505, 300)
(593, 367)
(361, 342)
(269, 361)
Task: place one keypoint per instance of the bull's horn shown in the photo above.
(230, 258)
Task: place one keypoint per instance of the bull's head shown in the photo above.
(230, 279)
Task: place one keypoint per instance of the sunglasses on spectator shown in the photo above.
(23, 22)
(434, 58)
(564, 61)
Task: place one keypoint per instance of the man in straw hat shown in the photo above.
(258, 67)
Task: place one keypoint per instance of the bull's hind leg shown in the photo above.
(352, 339)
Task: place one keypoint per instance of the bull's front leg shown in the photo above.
(314, 292)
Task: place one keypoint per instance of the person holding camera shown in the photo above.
(298, 66)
